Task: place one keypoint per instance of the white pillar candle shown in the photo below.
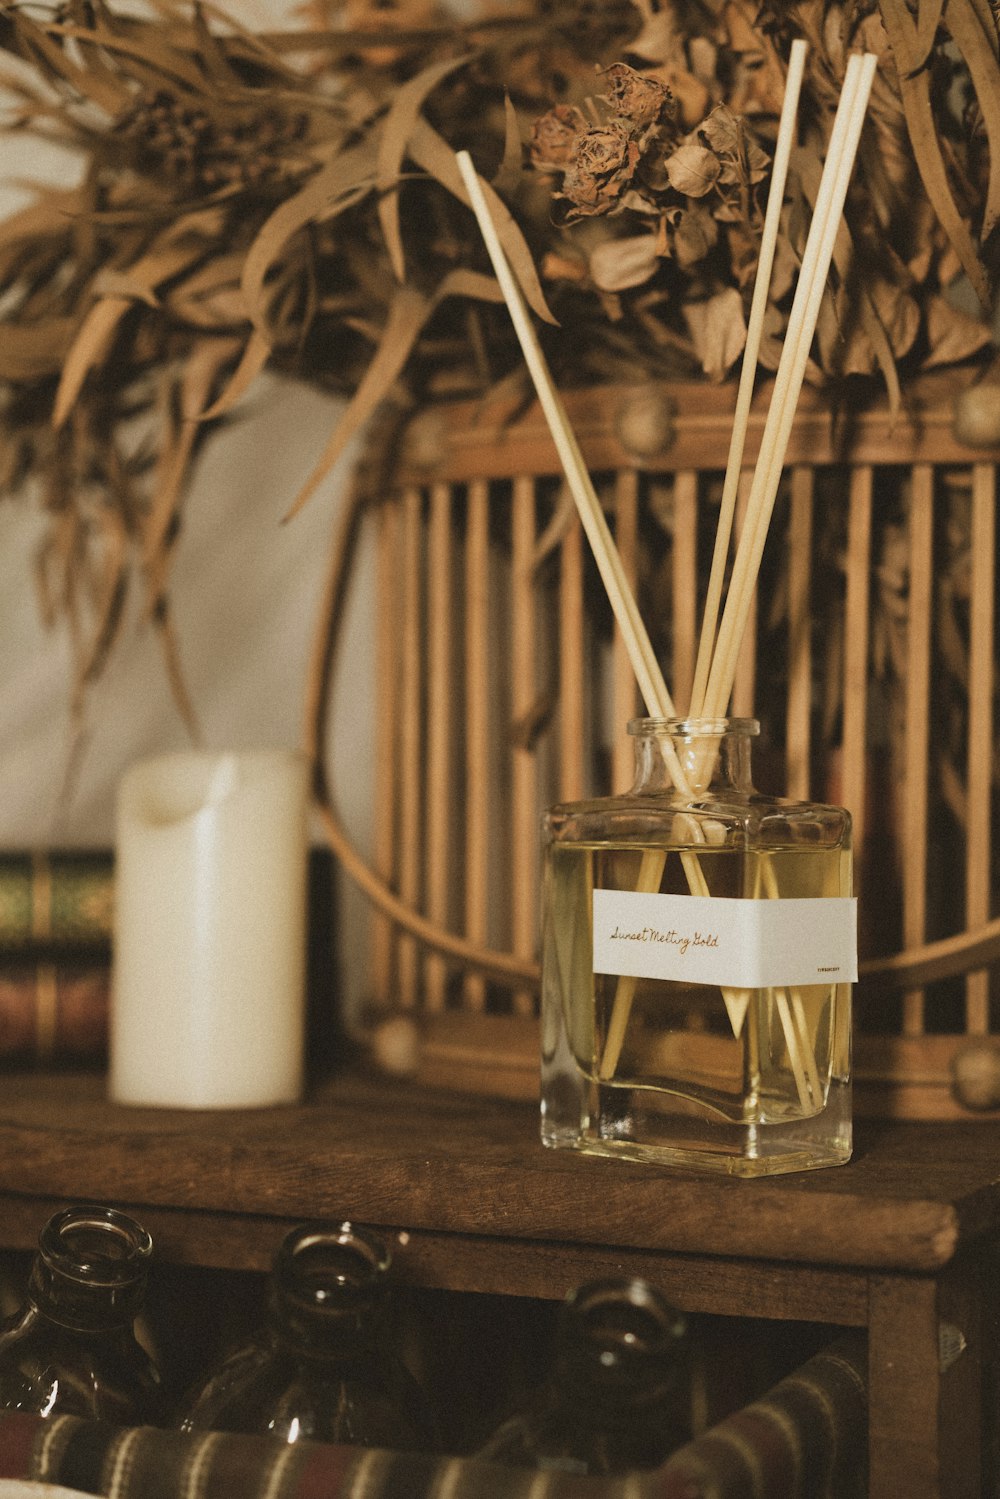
(210, 930)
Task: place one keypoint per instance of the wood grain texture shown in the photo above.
(420, 1160)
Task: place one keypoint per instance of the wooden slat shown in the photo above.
(477, 757)
(917, 714)
(857, 632)
(524, 766)
(624, 697)
(684, 599)
(978, 819)
(494, 441)
(744, 684)
(439, 731)
(385, 800)
(572, 659)
(798, 708)
(410, 738)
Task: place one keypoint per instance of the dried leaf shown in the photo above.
(695, 232)
(916, 99)
(929, 14)
(90, 346)
(508, 175)
(988, 20)
(408, 313)
(693, 169)
(101, 323)
(953, 335)
(618, 264)
(256, 353)
(163, 61)
(163, 621)
(195, 390)
(719, 331)
(743, 34)
(430, 151)
(111, 593)
(211, 297)
(87, 84)
(984, 70)
(396, 131)
(332, 189)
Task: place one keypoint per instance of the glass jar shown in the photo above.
(321, 1367)
(698, 947)
(616, 1398)
(71, 1349)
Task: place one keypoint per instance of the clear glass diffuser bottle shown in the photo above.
(698, 949)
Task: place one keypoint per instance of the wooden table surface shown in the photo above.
(423, 1160)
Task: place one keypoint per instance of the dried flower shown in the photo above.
(601, 167)
(644, 101)
(554, 136)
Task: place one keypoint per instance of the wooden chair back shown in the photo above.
(504, 687)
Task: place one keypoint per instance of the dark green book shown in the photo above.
(56, 898)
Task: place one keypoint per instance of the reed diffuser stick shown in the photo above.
(644, 663)
(816, 260)
(640, 649)
(744, 395)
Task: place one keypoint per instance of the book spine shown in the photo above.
(56, 899)
(54, 1012)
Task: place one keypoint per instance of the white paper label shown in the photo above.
(731, 943)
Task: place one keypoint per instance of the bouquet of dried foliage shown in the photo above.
(291, 200)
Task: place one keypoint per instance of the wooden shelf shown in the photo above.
(454, 1169)
(900, 1242)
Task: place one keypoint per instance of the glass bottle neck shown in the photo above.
(327, 1289)
(90, 1270)
(619, 1342)
(692, 756)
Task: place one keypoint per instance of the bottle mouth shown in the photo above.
(629, 1335)
(331, 1268)
(90, 1270)
(96, 1245)
(694, 728)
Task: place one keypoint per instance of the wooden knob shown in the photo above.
(975, 1075)
(644, 423)
(426, 441)
(977, 415)
(395, 1046)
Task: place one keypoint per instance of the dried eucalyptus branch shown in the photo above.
(291, 200)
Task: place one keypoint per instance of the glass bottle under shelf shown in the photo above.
(321, 1367)
(616, 1398)
(71, 1349)
(698, 949)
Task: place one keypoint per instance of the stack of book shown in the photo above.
(56, 910)
(56, 914)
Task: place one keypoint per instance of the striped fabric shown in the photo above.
(805, 1439)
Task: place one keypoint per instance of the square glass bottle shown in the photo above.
(698, 949)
